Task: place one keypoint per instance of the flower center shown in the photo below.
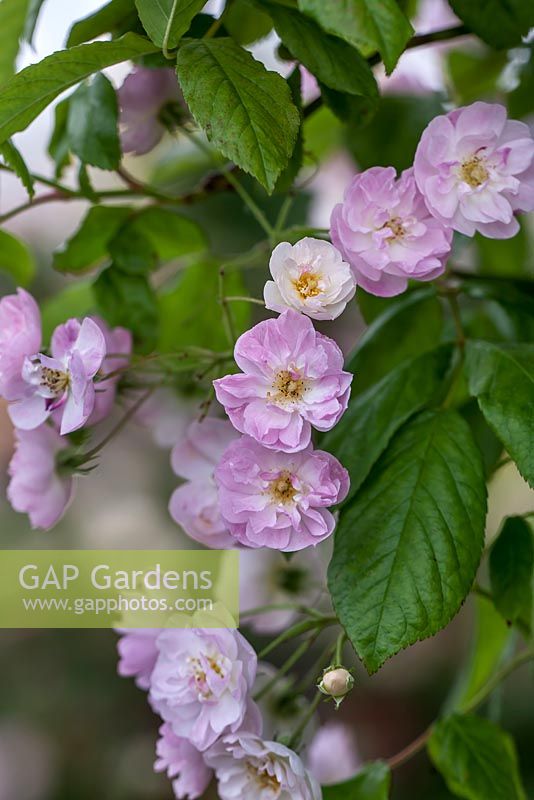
(54, 380)
(474, 171)
(282, 489)
(396, 227)
(265, 780)
(307, 285)
(288, 386)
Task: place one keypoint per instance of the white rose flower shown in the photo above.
(311, 277)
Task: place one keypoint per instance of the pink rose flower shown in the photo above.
(63, 382)
(293, 379)
(338, 738)
(119, 346)
(195, 504)
(201, 683)
(143, 96)
(178, 757)
(475, 169)
(386, 232)
(279, 500)
(20, 336)
(248, 768)
(138, 653)
(36, 487)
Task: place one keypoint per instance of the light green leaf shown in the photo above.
(172, 236)
(16, 260)
(374, 416)
(12, 20)
(477, 759)
(408, 328)
(106, 19)
(505, 258)
(30, 91)
(511, 563)
(92, 124)
(75, 300)
(371, 783)
(246, 111)
(334, 62)
(13, 159)
(34, 9)
(128, 300)
(501, 377)
(156, 14)
(370, 25)
(246, 23)
(475, 74)
(407, 548)
(500, 23)
(89, 247)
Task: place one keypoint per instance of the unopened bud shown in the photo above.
(336, 683)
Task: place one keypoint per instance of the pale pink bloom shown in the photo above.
(279, 500)
(201, 684)
(195, 504)
(20, 336)
(332, 756)
(138, 653)
(63, 382)
(119, 346)
(311, 277)
(248, 768)
(37, 487)
(292, 380)
(183, 762)
(143, 98)
(167, 415)
(475, 169)
(386, 232)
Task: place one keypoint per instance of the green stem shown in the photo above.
(254, 300)
(255, 210)
(118, 428)
(254, 612)
(303, 724)
(286, 666)
(338, 657)
(228, 319)
(297, 630)
(167, 34)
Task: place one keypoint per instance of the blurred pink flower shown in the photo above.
(195, 504)
(143, 97)
(119, 346)
(475, 169)
(279, 500)
(137, 654)
(180, 760)
(386, 232)
(166, 415)
(292, 379)
(36, 487)
(20, 336)
(332, 756)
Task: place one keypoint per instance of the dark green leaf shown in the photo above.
(371, 783)
(334, 62)
(16, 260)
(500, 23)
(131, 251)
(506, 258)
(370, 25)
(156, 14)
(477, 759)
(246, 111)
(375, 415)
(89, 247)
(58, 147)
(355, 111)
(501, 377)
(12, 19)
(171, 235)
(29, 92)
(511, 565)
(13, 159)
(92, 124)
(117, 13)
(521, 100)
(246, 23)
(129, 301)
(407, 548)
(34, 9)
(290, 173)
(75, 300)
(475, 74)
(408, 328)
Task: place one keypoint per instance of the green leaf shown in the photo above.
(117, 13)
(501, 377)
(500, 23)
(475, 74)
(290, 173)
(171, 235)
(13, 159)
(92, 124)
(34, 9)
(156, 14)
(12, 20)
(511, 563)
(521, 100)
(370, 25)
(374, 416)
(58, 147)
(407, 548)
(16, 260)
(506, 258)
(75, 300)
(246, 23)
(477, 759)
(246, 111)
(30, 91)
(129, 300)
(371, 783)
(334, 62)
(89, 247)
(408, 328)
(191, 313)
(131, 251)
